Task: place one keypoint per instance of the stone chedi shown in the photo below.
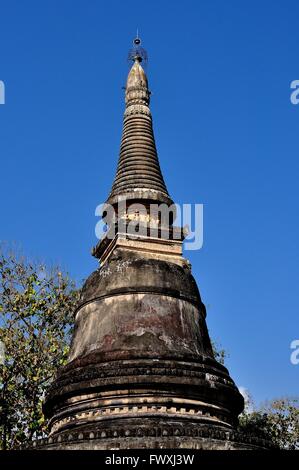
(141, 371)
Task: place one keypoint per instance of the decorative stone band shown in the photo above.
(138, 94)
(140, 193)
(137, 109)
(210, 414)
(109, 370)
(155, 435)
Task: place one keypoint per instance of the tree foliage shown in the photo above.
(36, 318)
(276, 421)
(220, 354)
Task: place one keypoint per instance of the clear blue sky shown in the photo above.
(227, 137)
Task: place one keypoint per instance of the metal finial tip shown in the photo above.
(137, 53)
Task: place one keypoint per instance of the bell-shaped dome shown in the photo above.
(145, 307)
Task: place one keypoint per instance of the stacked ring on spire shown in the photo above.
(138, 165)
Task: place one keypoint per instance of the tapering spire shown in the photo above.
(138, 174)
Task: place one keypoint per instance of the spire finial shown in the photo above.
(137, 52)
